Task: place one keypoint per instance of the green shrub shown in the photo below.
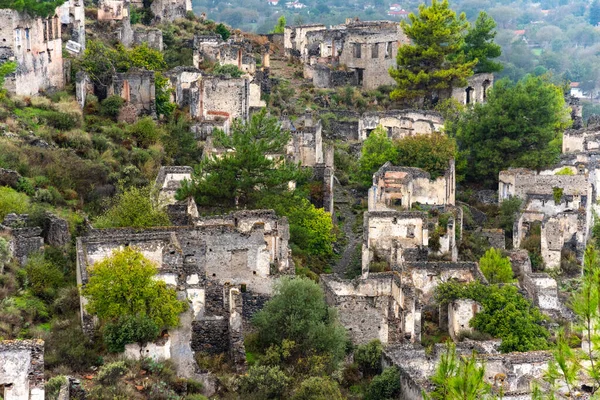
(195, 397)
(52, 387)
(495, 267)
(565, 171)
(44, 278)
(67, 345)
(385, 386)
(228, 69)
(111, 106)
(263, 382)
(62, 121)
(109, 373)
(368, 357)
(129, 329)
(317, 387)
(145, 132)
(26, 185)
(133, 208)
(12, 201)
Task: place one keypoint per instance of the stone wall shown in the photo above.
(72, 18)
(495, 237)
(542, 289)
(137, 88)
(460, 312)
(400, 123)
(220, 98)
(169, 180)
(232, 52)
(22, 369)
(36, 45)
(152, 37)
(23, 240)
(521, 183)
(170, 10)
(476, 89)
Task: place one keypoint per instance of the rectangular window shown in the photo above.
(27, 39)
(357, 50)
(50, 29)
(375, 50)
(388, 50)
(18, 38)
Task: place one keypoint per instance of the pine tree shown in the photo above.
(496, 268)
(280, 26)
(433, 62)
(480, 46)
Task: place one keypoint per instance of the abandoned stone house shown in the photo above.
(223, 265)
(163, 10)
(392, 225)
(213, 49)
(22, 369)
(366, 49)
(400, 123)
(72, 19)
(35, 44)
(137, 88)
(512, 373)
(475, 91)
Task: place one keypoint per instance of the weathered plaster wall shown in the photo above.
(22, 369)
(400, 123)
(460, 312)
(220, 98)
(231, 52)
(476, 89)
(36, 45)
(169, 180)
(137, 88)
(170, 10)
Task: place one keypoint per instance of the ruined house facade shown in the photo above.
(35, 44)
(400, 123)
(137, 88)
(212, 48)
(367, 49)
(22, 369)
(223, 265)
(72, 19)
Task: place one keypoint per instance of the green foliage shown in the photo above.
(458, 378)
(145, 57)
(129, 329)
(429, 152)
(377, 149)
(433, 61)
(134, 208)
(280, 26)
(385, 386)
(44, 277)
(163, 95)
(498, 134)
(495, 268)
(565, 366)
(12, 201)
(298, 312)
(223, 31)
(180, 143)
(34, 8)
(53, 385)
(228, 69)
(565, 171)
(145, 131)
(264, 382)
(508, 213)
(111, 106)
(318, 388)
(124, 285)
(109, 373)
(6, 68)
(557, 194)
(506, 314)
(479, 44)
(67, 345)
(243, 174)
(368, 357)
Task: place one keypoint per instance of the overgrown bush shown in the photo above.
(53, 385)
(264, 382)
(385, 386)
(111, 106)
(12, 201)
(129, 329)
(318, 388)
(109, 373)
(368, 357)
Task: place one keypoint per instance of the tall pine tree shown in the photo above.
(480, 46)
(434, 61)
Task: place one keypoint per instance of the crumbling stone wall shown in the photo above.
(220, 98)
(294, 39)
(306, 144)
(153, 37)
(460, 312)
(169, 180)
(495, 237)
(72, 18)
(137, 88)
(113, 10)
(400, 123)
(398, 188)
(22, 369)
(476, 89)
(181, 79)
(521, 182)
(232, 52)
(542, 289)
(23, 240)
(170, 10)
(36, 45)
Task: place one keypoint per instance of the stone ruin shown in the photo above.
(163, 10)
(212, 48)
(366, 49)
(35, 43)
(512, 373)
(400, 123)
(22, 369)
(137, 88)
(224, 266)
(72, 19)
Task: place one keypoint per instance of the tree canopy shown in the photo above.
(123, 284)
(251, 166)
(298, 312)
(377, 149)
(479, 44)
(520, 125)
(495, 267)
(433, 62)
(280, 26)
